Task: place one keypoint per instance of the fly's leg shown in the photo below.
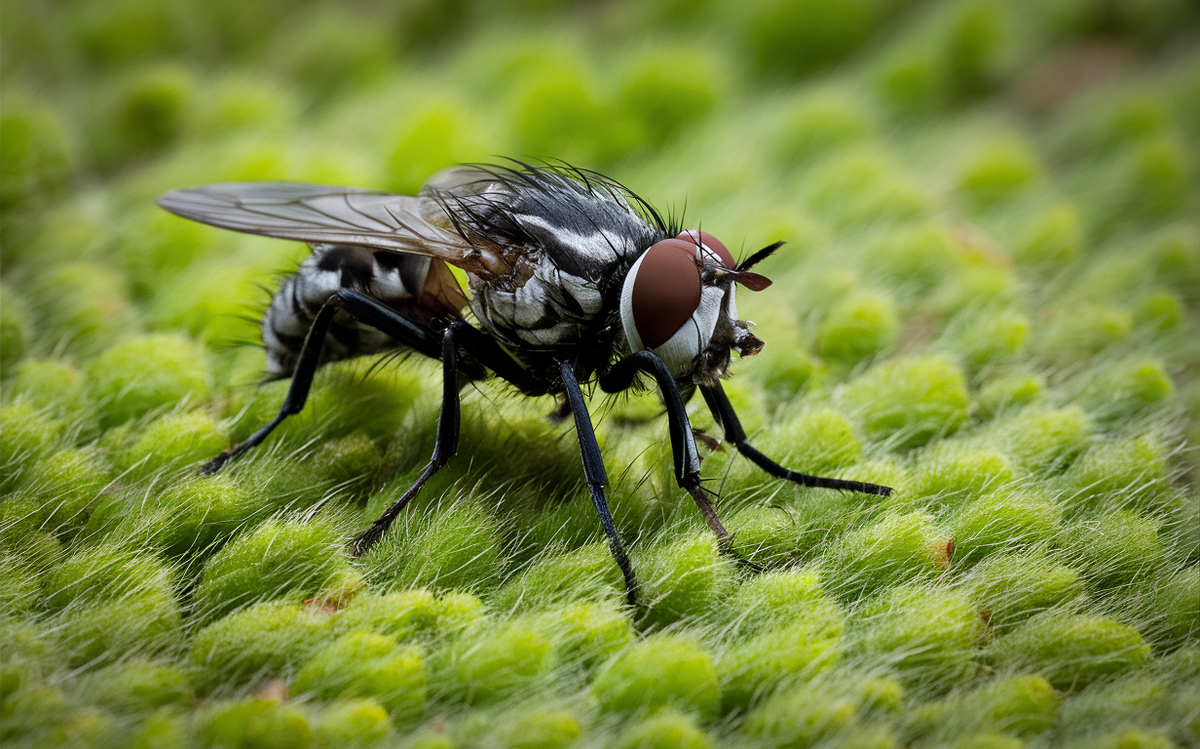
(723, 411)
(683, 442)
(445, 445)
(593, 469)
(362, 307)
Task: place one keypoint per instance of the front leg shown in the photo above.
(722, 410)
(683, 441)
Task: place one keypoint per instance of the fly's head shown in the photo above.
(678, 302)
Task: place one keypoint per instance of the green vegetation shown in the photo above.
(989, 299)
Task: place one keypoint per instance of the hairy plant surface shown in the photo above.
(989, 299)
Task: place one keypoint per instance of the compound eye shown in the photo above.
(666, 290)
(711, 243)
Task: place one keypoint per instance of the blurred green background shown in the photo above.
(990, 299)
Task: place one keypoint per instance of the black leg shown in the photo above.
(593, 469)
(306, 367)
(445, 445)
(723, 411)
(482, 348)
(683, 442)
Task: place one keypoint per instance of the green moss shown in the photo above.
(756, 666)
(106, 572)
(1161, 311)
(563, 110)
(188, 521)
(1112, 549)
(1044, 439)
(684, 577)
(26, 434)
(909, 401)
(142, 374)
(919, 257)
(950, 471)
(19, 586)
(859, 326)
(1128, 388)
(896, 548)
(137, 685)
(775, 599)
(166, 728)
(800, 37)
(1009, 588)
(928, 634)
(815, 124)
(493, 662)
(270, 639)
(436, 135)
(804, 715)
(254, 723)
(666, 730)
(588, 633)
(992, 338)
(1020, 705)
(1137, 699)
(1172, 610)
(860, 188)
(538, 729)
(456, 547)
(659, 671)
(14, 330)
(356, 722)
(332, 51)
(975, 37)
(1003, 520)
(1000, 170)
(68, 484)
(362, 664)
(175, 440)
(1070, 650)
(150, 111)
(1012, 390)
(767, 536)
(279, 559)
(402, 614)
(51, 385)
(819, 442)
(141, 623)
(36, 161)
(1132, 473)
(1052, 238)
(1159, 181)
(670, 89)
(587, 573)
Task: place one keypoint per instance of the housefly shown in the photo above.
(572, 279)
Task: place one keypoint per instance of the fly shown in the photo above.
(572, 278)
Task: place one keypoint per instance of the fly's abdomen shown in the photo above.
(408, 284)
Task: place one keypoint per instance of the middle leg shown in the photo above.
(445, 445)
(597, 478)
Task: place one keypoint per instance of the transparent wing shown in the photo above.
(332, 215)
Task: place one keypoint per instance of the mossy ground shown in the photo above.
(989, 300)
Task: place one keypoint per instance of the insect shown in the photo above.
(573, 279)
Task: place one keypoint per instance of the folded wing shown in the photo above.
(321, 214)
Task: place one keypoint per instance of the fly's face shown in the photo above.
(678, 302)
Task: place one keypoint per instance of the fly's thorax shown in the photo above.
(678, 301)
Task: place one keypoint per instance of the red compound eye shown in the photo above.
(666, 290)
(711, 243)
